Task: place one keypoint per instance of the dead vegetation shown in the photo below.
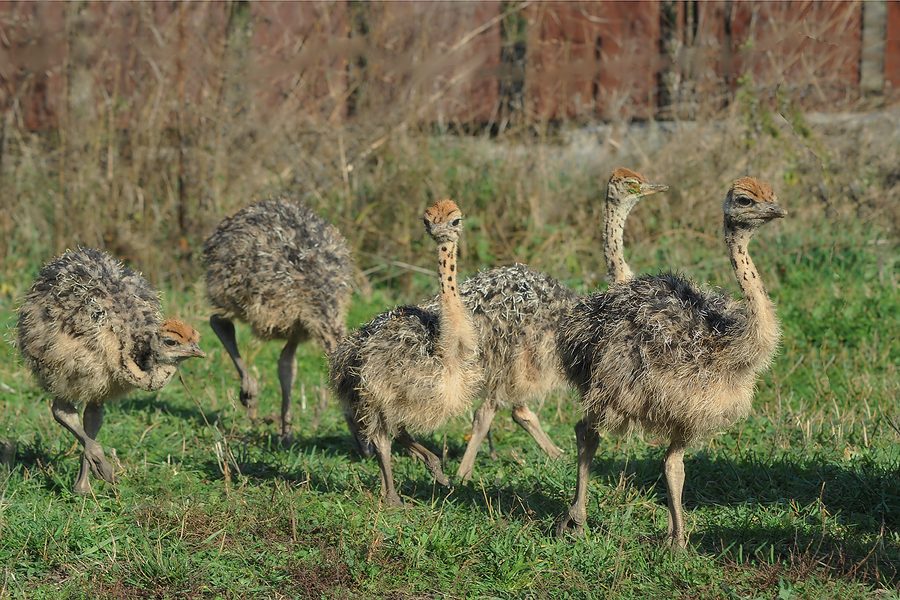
(151, 151)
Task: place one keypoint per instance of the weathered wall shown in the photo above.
(445, 61)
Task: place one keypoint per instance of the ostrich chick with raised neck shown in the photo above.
(90, 330)
(625, 189)
(412, 369)
(678, 360)
(517, 312)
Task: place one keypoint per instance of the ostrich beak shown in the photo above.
(648, 189)
(773, 211)
(194, 350)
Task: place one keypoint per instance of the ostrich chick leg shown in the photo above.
(93, 420)
(224, 329)
(588, 439)
(67, 416)
(674, 469)
(363, 445)
(287, 370)
(481, 427)
(529, 421)
(432, 462)
(382, 442)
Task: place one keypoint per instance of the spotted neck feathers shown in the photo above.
(762, 326)
(618, 270)
(457, 333)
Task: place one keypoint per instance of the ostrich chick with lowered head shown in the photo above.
(678, 360)
(412, 368)
(279, 267)
(90, 330)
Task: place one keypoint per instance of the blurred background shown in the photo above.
(138, 126)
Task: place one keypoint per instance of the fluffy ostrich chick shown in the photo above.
(90, 330)
(676, 359)
(517, 312)
(282, 269)
(413, 368)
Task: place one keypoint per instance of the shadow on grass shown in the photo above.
(154, 403)
(41, 464)
(259, 457)
(788, 552)
(863, 493)
(863, 496)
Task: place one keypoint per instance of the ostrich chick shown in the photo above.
(679, 360)
(411, 369)
(517, 313)
(285, 271)
(90, 330)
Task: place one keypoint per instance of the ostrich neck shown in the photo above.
(155, 378)
(762, 327)
(457, 334)
(618, 270)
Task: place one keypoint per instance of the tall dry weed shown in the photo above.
(165, 122)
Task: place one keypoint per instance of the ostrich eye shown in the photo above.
(743, 201)
(455, 223)
(170, 342)
(426, 223)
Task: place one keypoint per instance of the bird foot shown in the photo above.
(676, 542)
(82, 487)
(464, 475)
(554, 452)
(569, 524)
(100, 467)
(442, 479)
(394, 500)
(438, 473)
(286, 439)
(249, 395)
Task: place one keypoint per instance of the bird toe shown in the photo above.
(100, 467)
(568, 525)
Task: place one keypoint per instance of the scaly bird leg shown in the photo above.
(674, 470)
(67, 416)
(588, 439)
(363, 445)
(382, 442)
(481, 427)
(287, 370)
(492, 452)
(93, 420)
(224, 329)
(530, 423)
(432, 462)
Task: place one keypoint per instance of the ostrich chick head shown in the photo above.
(176, 342)
(626, 188)
(751, 203)
(443, 221)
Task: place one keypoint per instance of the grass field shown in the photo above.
(800, 501)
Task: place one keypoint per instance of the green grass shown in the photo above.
(800, 501)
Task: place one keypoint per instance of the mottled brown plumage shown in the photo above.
(517, 313)
(674, 358)
(90, 330)
(412, 368)
(286, 272)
